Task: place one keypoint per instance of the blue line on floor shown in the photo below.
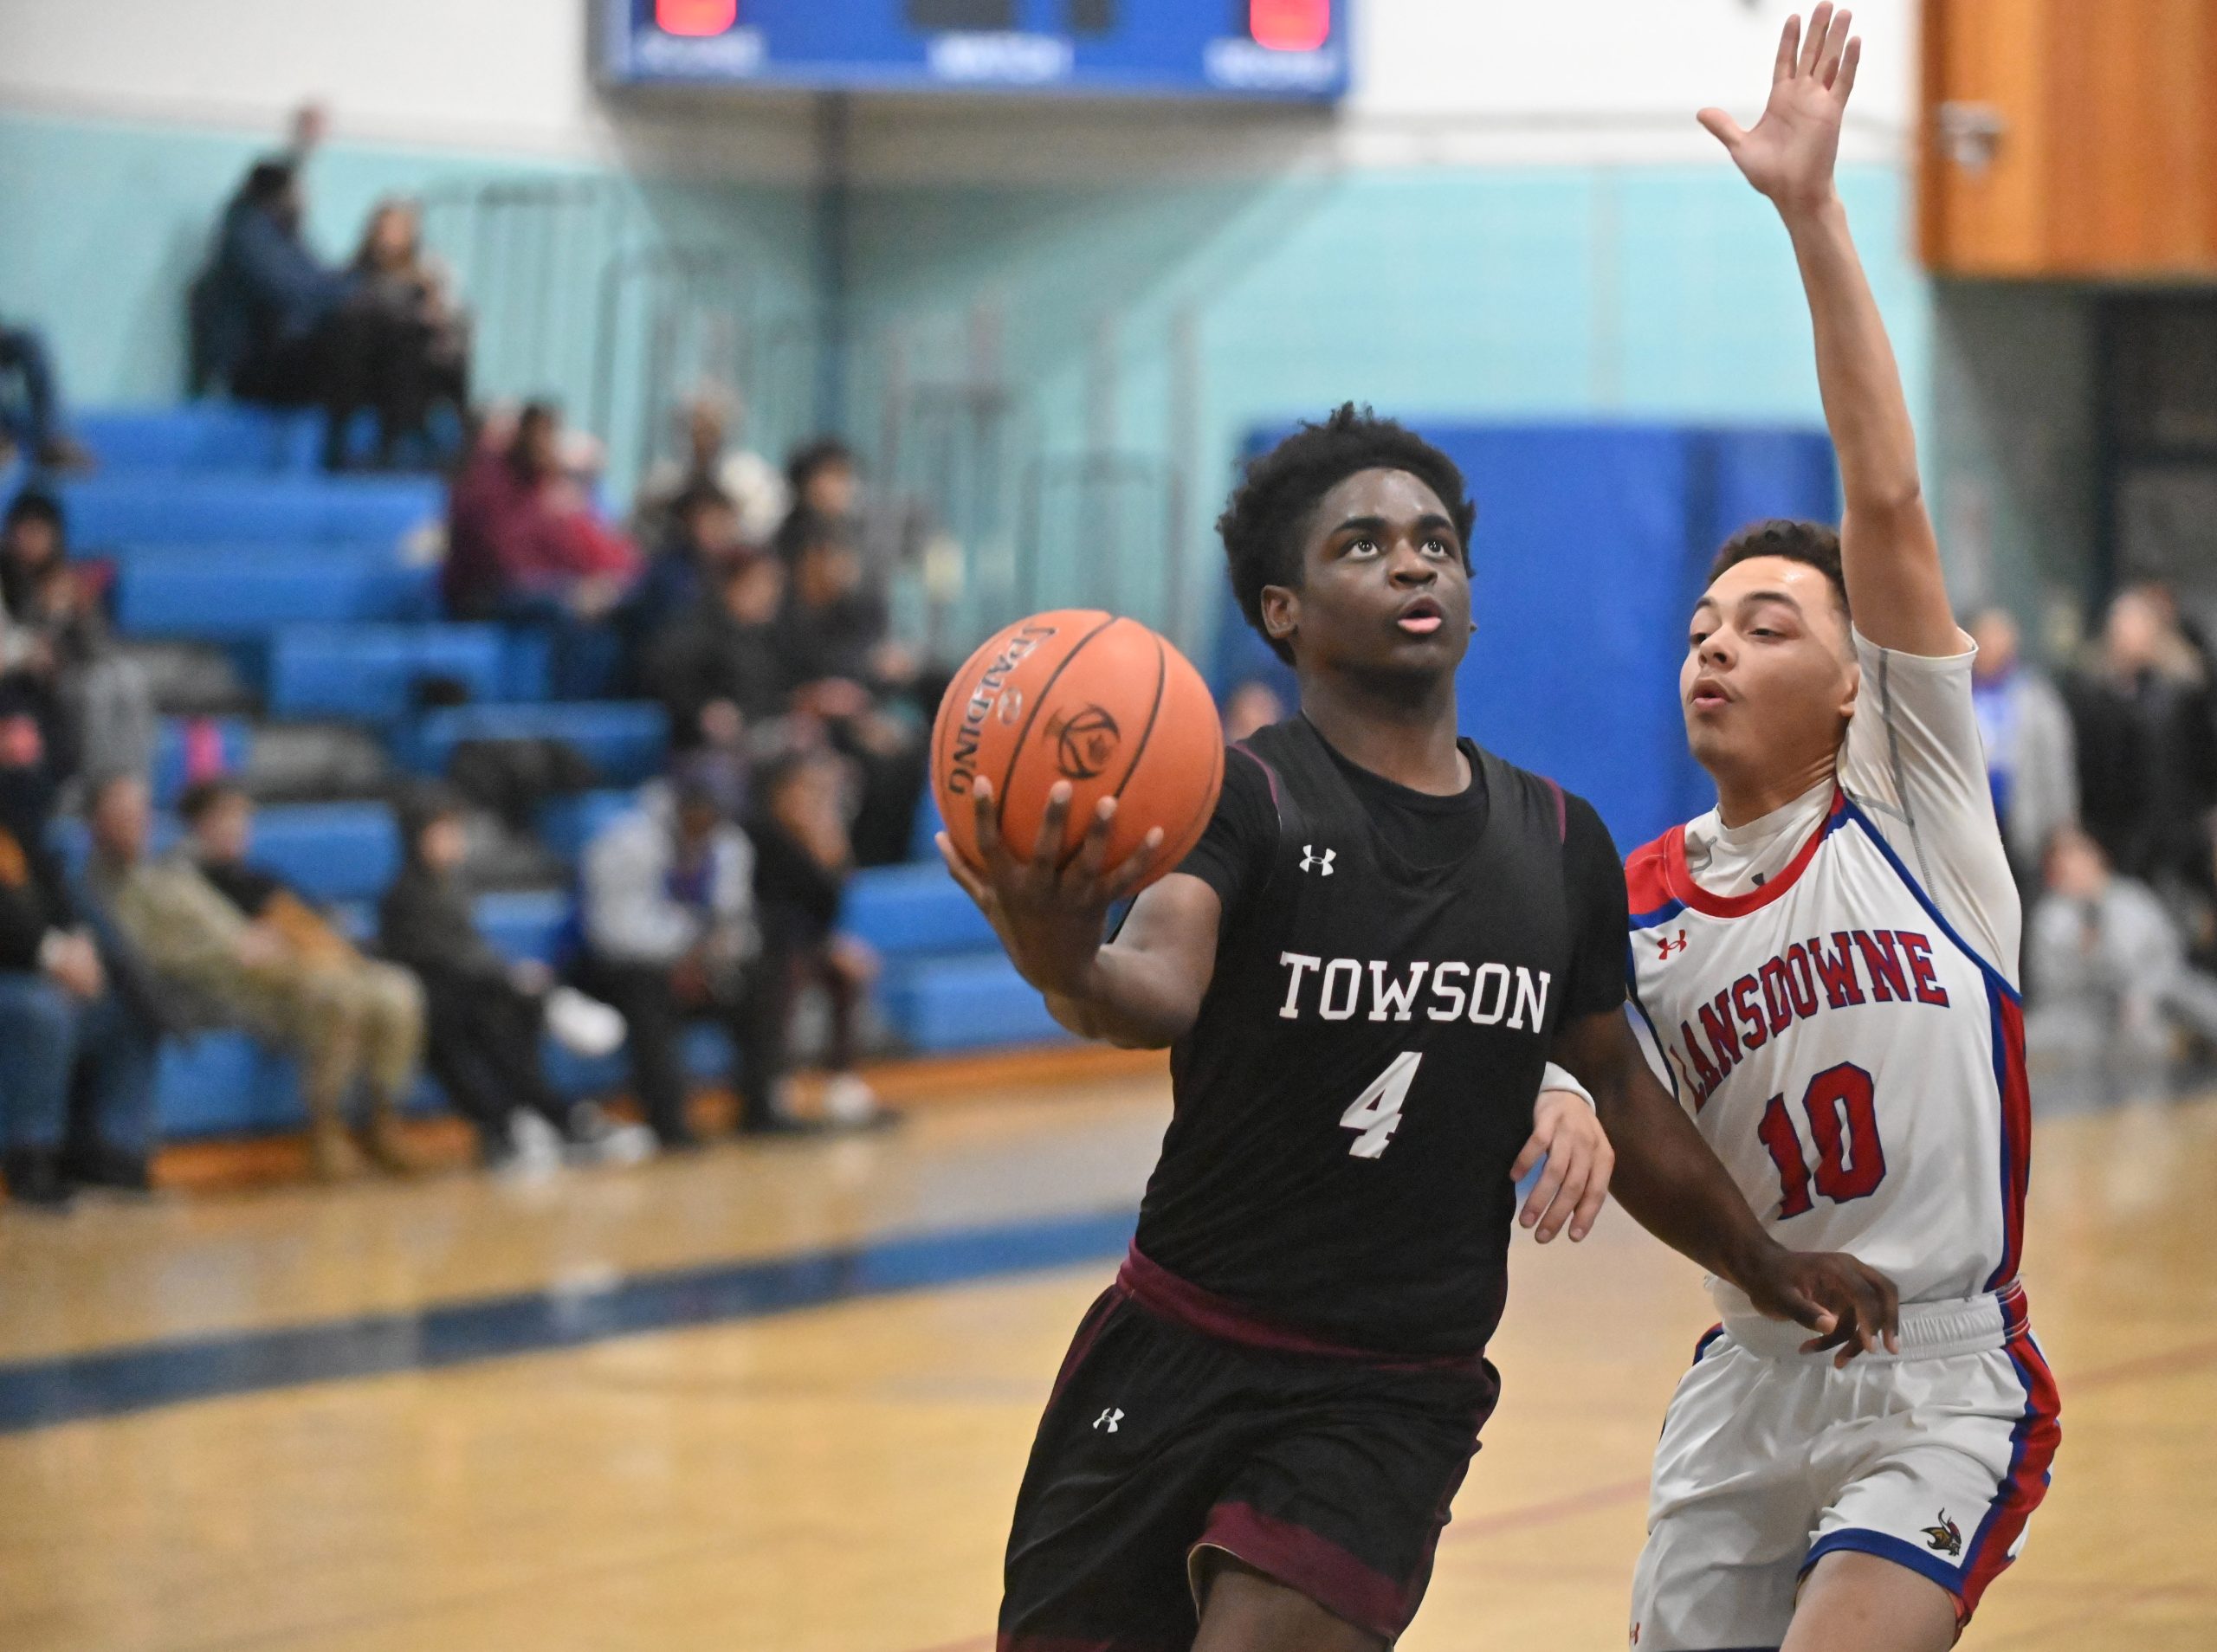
(40, 1393)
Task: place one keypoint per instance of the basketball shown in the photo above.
(1082, 696)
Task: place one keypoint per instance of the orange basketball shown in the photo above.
(1082, 696)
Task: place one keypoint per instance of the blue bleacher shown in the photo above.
(240, 593)
(371, 673)
(207, 437)
(234, 739)
(110, 508)
(625, 742)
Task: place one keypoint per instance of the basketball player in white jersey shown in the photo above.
(1827, 964)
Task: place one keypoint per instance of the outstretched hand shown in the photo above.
(1791, 153)
(1049, 913)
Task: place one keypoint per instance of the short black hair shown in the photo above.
(1262, 527)
(203, 797)
(34, 505)
(815, 456)
(1811, 544)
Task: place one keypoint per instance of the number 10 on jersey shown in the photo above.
(1843, 1113)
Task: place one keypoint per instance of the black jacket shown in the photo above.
(707, 656)
(425, 922)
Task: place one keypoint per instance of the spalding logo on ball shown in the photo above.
(1082, 696)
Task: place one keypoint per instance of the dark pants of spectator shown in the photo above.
(786, 974)
(885, 817)
(583, 655)
(49, 1037)
(482, 1043)
(650, 1007)
(30, 408)
(357, 358)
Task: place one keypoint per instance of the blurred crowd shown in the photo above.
(2104, 779)
(735, 594)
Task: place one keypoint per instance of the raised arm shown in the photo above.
(1144, 991)
(1675, 1188)
(1888, 551)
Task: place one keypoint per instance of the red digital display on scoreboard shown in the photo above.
(695, 17)
(1291, 25)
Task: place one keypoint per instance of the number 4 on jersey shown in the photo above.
(1377, 1110)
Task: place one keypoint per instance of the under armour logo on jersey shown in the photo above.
(1312, 861)
(1108, 1420)
(1667, 945)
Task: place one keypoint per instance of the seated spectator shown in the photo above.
(826, 492)
(2032, 763)
(703, 541)
(2114, 985)
(713, 461)
(31, 405)
(720, 668)
(670, 937)
(484, 1014)
(802, 861)
(97, 704)
(523, 544)
(68, 1023)
(838, 648)
(407, 296)
(293, 984)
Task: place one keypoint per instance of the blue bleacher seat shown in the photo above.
(203, 436)
(234, 739)
(330, 852)
(965, 1003)
(194, 508)
(370, 672)
(625, 741)
(238, 594)
(906, 911)
(567, 824)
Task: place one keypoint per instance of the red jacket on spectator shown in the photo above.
(517, 527)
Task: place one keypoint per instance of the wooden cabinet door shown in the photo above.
(2069, 138)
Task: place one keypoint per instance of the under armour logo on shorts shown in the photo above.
(1311, 861)
(1109, 1419)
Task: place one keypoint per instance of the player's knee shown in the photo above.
(1246, 1611)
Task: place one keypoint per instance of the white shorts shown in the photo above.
(1771, 1459)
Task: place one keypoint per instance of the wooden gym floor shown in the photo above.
(780, 1397)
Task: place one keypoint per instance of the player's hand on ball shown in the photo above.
(1852, 1308)
(1049, 914)
(1574, 1184)
(1791, 153)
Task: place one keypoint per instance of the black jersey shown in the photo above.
(1391, 970)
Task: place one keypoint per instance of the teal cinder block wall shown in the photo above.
(1635, 294)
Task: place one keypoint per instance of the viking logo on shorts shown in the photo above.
(1085, 742)
(1946, 1537)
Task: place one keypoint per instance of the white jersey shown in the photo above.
(1831, 992)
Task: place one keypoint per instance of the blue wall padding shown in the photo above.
(371, 673)
(1593, 543)
(246, 593)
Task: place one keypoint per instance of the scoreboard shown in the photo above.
(1282, 50)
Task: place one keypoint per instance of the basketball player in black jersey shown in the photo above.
(1361, 972)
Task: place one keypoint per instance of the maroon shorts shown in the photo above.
(1332, 1475)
